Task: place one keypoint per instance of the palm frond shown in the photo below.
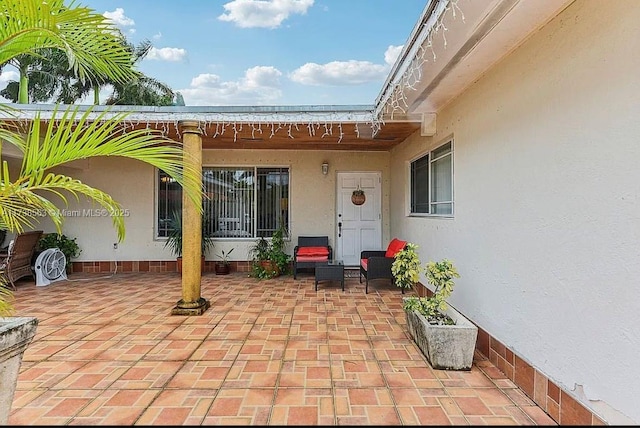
(76, 136)
(90, 41)
(6, 298)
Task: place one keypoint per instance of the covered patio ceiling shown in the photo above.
(324, 127)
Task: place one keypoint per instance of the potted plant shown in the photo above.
(223, 266)
(269, 259)
(259, 255)
(444, 335)
(16, 333)
(174, 240)
(358, 197)
(405, 267)
(67, 245)
(278, 255)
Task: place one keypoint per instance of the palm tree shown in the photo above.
(50, 79)
(92, 50)
(144, 90)
(91, 42)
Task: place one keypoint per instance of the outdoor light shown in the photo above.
(325, 168)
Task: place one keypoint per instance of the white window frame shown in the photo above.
(431, 161)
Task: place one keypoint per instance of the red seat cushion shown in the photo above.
(363, 263)
(313, 252)
(312, 258)
(394, 246)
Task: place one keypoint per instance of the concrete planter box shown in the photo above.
(15, 335)
(447, 347)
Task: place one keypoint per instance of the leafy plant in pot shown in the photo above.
(443, 334)
(174, 240)
(406, 266)
(358, 197)
(223, 266)
(269, 259)
(278, 255)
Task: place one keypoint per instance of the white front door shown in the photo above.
(359, 227)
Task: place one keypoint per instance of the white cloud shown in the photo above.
(259, 86)
(263, 13)
(119, 18)
(339, 73)
(8, 75)
(5, 77)
(167, 54)
(392, 53)
(157, 36)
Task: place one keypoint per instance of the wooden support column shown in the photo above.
(191, 303)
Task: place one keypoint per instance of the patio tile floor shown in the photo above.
(271, 352)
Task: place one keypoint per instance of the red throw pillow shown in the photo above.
(313, 251)
(394, 246)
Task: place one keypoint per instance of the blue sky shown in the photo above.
(268, 52)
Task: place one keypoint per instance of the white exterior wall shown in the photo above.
(546, 231)
(132, 184)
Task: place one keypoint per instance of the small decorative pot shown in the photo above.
(222, 268)
(358, 199)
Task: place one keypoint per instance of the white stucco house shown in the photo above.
(506, 138)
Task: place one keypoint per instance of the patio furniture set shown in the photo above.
(314, 252)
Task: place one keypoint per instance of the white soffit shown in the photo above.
(488, 33)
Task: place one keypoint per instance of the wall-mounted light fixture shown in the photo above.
(325, 168)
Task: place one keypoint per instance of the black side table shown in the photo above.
(330, 271)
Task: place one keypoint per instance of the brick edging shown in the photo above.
(550, 397)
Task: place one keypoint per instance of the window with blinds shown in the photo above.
(431, 182)
(241, 202)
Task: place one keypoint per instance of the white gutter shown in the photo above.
(397, 80)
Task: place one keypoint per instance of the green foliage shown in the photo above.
(260, 250)
(269, 258)
(92, 43)
(224, 256)
(94, 50)
(278, 255)
(406, 266)
(174, 239)
(67, 245)
(6, 297)
(440, 275)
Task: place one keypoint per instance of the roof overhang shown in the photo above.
(453, 43)
(324, 127)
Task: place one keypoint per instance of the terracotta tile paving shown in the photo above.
(271, 352)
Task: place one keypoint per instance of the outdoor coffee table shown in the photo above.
(330, 271)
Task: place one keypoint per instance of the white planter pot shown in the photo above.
(15, 335)
(447, 347)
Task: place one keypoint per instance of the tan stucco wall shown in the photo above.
(132, 184)
(546, 184)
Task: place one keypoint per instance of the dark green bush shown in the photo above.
(67, 245)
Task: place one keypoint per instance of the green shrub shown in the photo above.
(67, 245)
(440, 275)
(406, 266)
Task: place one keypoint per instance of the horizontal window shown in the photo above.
(241, 202)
